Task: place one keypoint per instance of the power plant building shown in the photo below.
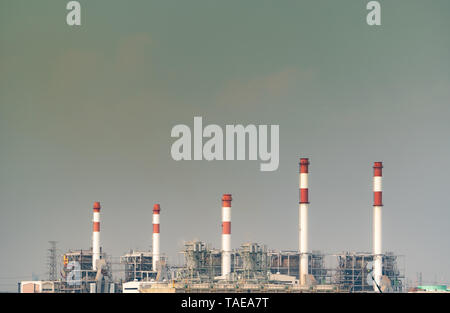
(251, 267)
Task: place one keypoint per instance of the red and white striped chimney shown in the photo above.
(226, 235)
(96, 236)
(303, 220)
(377, 206)
(156, 252)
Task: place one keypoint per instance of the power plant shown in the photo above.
(253, 267)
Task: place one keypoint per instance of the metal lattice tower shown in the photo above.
(51, 262)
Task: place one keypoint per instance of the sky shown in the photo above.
(86, 114)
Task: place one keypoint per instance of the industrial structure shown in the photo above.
(201, 262)
(139, 265)
(156, 251)
(96, 236)
(52, 262)
(226, 236)
(303, 220)
(250, 268)
(78, 274)
(377, 205)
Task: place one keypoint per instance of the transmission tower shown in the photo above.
(51, 262)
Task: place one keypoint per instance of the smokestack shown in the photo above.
(156, 253)
(377, 206)
(226, 235)
(96, 236)
(303, 220)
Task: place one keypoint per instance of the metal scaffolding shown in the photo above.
(139, 266)
(288, 263)
(202, 262)
(78, 276)
(354, 272)
(284, 262)
(252, 262)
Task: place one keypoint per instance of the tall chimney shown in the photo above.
(156, 253)
(226, 235)
(303, 220)
(96, 236)
(377, 206)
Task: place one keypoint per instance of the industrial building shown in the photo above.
(139, 265)
(252, 267)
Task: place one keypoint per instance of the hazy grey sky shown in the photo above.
(86, 114)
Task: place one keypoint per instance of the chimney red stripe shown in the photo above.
(304, 195)
(226, 227)
(377, 198)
